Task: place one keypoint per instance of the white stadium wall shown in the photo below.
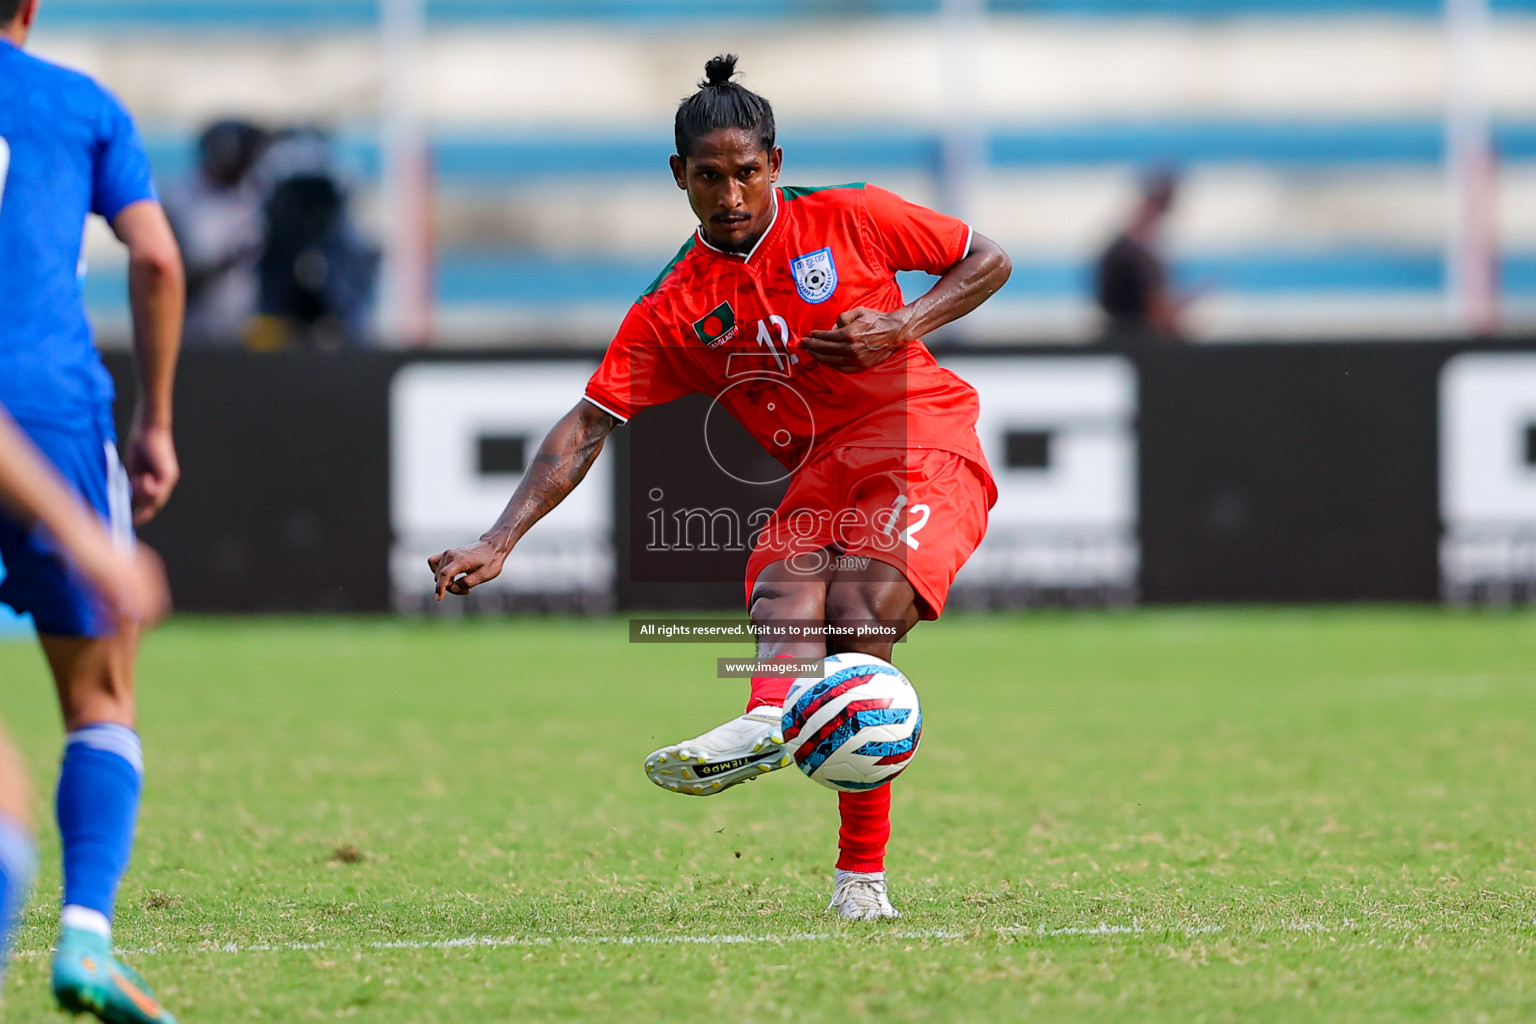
(461, 437)
(1488, 478)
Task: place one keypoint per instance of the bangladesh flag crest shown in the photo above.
(716, 327)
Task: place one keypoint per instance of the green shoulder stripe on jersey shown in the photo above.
(796, 191)
(684, 251)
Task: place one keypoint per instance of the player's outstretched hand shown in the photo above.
(152, 470)
(459, 570)
(862, 338)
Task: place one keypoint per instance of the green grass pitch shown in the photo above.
(1202, 815)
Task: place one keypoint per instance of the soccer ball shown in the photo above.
(856, 726)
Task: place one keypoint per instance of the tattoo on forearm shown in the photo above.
(551, 476)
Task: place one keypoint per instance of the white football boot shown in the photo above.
(861, 896)
(736, 752)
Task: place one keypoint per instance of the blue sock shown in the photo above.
(98, 806)
(17, 861)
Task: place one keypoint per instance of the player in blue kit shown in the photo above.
(129, 579)
(68, 150)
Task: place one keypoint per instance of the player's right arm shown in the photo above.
(562, 461)
(132, 581)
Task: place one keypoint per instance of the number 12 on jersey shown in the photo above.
(777, 347)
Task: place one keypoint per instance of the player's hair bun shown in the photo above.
(719, 70)
(720, 103)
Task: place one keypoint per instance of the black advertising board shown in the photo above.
(1289, 473)
(1281, 472)
(284, 500)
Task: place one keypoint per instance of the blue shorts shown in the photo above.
(37, 580)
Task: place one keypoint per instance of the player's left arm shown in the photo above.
(866, 337)
(157, 298)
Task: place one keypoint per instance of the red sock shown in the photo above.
(769, 691)
(866, 829)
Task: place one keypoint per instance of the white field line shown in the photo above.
(526, 941)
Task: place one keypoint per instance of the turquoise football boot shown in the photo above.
(87, 978)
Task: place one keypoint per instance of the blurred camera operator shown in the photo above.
(317, 272)
(217, 217)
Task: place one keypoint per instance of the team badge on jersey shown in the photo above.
(815, 275)
(716, 327)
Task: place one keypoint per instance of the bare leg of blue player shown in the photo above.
(97, 807)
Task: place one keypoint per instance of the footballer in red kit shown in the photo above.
(785, 308)
(731, 325)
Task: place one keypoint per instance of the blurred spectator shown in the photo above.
(1131, 281)
(317, 273)
(217, 218)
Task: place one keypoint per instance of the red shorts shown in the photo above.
(921, 510)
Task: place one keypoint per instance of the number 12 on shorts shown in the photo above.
(907, 534)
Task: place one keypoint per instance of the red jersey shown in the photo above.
(729, 326)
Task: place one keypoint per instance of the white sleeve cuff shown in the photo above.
(600, 405)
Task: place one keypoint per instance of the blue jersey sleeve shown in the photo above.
(122, 167)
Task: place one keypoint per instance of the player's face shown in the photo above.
(729, 179)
